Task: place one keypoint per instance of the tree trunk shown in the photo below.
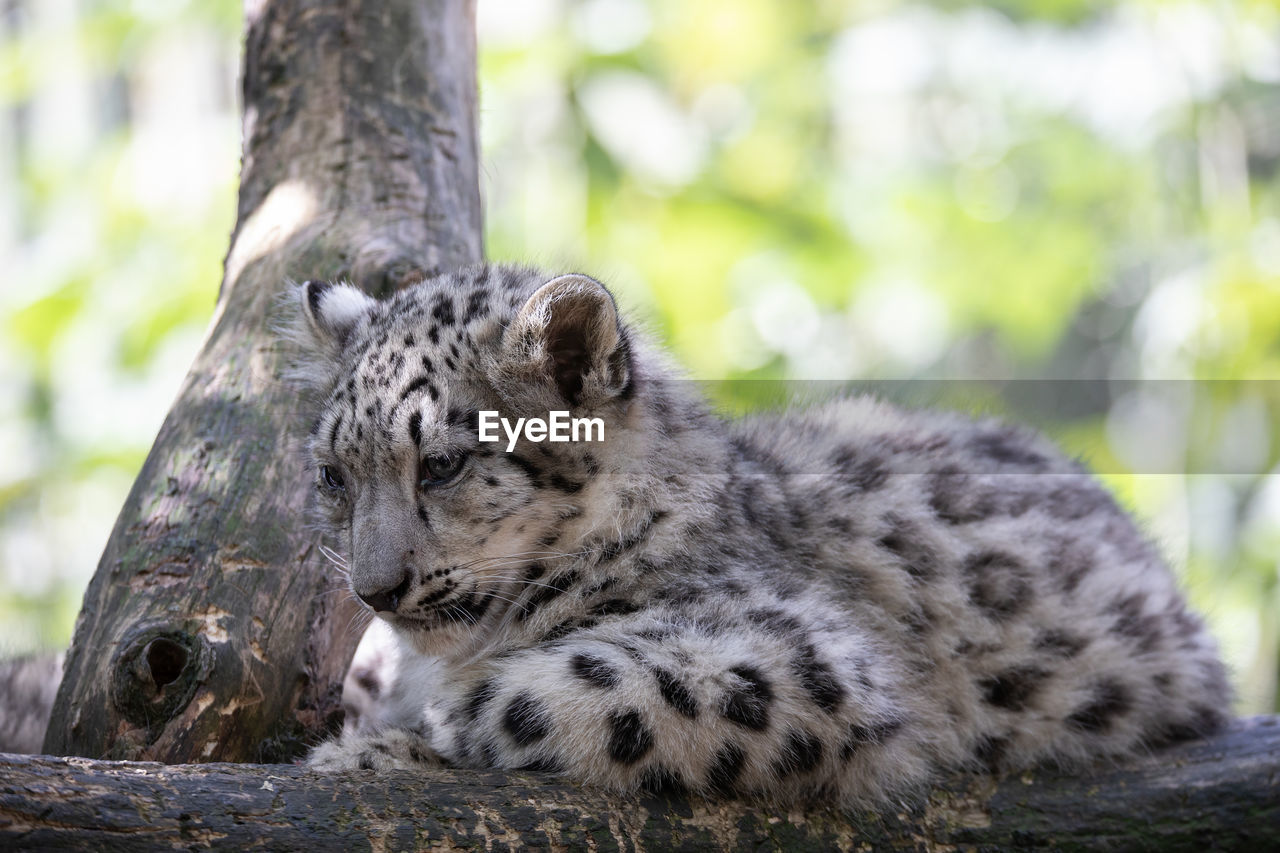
(1222, 793)
(209, 632)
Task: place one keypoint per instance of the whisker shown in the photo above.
(497, 566)
(361, 615)
(333, 556)
(511, 578)
(521, 579)
(519, 555)
(516, 602)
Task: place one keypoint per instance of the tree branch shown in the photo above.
(1220, 793)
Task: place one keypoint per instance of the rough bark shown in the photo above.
(1222, 793)
(209, 631)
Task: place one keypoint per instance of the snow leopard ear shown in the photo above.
(568, 331)
(332, 311)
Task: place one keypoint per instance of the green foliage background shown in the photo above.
(1049, 194)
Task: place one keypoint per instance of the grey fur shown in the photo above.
(841, 602)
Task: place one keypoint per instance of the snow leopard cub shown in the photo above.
(841, 602)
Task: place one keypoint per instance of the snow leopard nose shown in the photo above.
(387, 600)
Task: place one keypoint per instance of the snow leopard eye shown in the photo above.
(332, 478)
(438, 470)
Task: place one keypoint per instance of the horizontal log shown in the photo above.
(1220, 793)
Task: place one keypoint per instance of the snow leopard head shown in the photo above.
(440, 531)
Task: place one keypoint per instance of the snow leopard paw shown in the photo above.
(392, 749)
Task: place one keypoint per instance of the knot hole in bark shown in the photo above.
(166, 660)
(381, 267)
(156, 674)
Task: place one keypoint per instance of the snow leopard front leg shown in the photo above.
(748, 710)
(389, 696)
(389, 749)
(702, 710)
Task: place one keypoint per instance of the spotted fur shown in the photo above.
(841, 602)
